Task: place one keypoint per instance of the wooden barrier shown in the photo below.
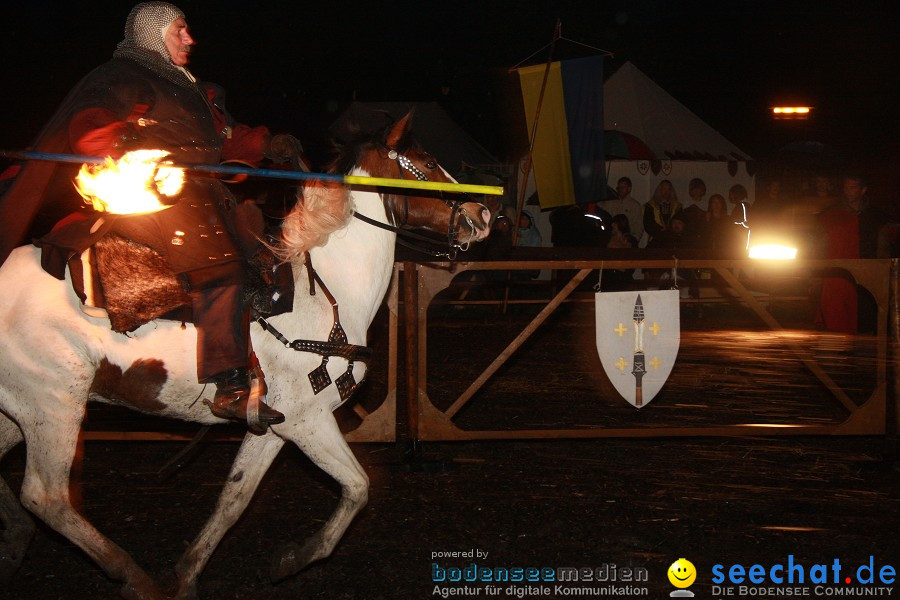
(422, 282)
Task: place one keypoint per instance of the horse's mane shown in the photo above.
(324, 207)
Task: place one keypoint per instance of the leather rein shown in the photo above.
(457, 212)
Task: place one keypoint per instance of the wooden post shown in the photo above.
(894, 344)
(411, 333)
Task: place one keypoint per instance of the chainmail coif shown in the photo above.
(145, 40)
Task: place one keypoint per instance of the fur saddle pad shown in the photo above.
(135, 284)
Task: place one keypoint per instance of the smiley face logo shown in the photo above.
(682, 573)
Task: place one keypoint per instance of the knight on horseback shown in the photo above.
(144, 97)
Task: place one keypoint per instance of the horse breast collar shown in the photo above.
(337, 344)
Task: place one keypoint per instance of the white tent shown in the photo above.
(685, 146)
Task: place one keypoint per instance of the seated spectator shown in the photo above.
(626, 205)
(620, 233)
(737, 195)
(721, 232)
(694, 213)
(620, 238)
(675, 237)
(660, 209)
(528, 234)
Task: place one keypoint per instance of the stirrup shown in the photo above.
(242, 398)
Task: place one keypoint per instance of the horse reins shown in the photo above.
(456, 211)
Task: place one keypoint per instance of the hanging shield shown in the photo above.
(638, 334)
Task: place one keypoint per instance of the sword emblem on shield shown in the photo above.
(638, 335)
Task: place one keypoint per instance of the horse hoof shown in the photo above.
(12, 551)
(8, 567)
(145, 590)
(290, 560)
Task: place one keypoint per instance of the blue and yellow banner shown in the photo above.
(568, 144)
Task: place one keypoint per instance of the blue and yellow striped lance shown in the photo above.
(440, 186)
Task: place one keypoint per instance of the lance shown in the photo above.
(440, 186)
(639, 367)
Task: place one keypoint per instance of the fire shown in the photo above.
(130, 185)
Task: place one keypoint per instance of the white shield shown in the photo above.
(638, 334)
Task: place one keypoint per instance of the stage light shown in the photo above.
(791, 112)
(773, 252)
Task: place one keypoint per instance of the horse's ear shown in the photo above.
(400, 129)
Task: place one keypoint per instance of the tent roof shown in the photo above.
(434, 128)
(635, 104)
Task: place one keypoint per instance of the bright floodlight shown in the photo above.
(791, 110)
(773, 252)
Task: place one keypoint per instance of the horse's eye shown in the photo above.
(431, 164)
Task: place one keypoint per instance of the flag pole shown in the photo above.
(520, 204)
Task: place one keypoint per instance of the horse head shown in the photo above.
(398, 155)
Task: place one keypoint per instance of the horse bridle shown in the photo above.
(456, 212)
(337, 344)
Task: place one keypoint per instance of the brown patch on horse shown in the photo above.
(376, 165)
(138, 387)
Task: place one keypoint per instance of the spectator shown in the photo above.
(850, 228)
(626, 205)
(721, 233)
(620, 231)
(740, 210)
(675, 237)
(694, 213)
(660, 209)
(528, 234)
(770, 201)
(620, 238)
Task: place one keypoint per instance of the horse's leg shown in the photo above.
(45, 492)
(251, 463)
(322, 441)
(18, 528)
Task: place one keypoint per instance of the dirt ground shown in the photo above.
(633, 503)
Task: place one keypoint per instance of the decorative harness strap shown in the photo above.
(337, 344)
(456, 212)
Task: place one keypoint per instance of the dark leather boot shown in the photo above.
(233, 401)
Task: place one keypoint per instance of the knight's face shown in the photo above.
(179, 42)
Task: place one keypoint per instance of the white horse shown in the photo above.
(54, 359)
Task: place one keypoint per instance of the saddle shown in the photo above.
(135, 284)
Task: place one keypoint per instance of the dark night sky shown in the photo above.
(295, 65)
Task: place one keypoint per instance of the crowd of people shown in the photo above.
(829, 217)
(663, 221)
(832, 218)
